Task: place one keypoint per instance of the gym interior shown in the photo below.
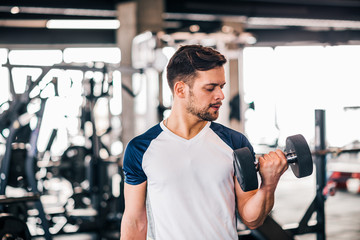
(79, 79)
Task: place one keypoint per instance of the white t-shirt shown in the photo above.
(190, 186)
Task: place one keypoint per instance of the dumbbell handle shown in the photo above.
(291, 157)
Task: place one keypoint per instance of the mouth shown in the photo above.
(215, 106)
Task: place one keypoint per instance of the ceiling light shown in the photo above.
(194, 28)
(60, 11)
(304, 22)
(83, 24)
(15, 10)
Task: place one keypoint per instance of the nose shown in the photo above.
(219, 94)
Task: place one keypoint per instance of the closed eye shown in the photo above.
(210, 89)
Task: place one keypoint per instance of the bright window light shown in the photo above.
(85, 55)
(116, 101)
(287, 84)
(167, 95)
(4, 85)
(139, 84)
(35, 57)
(83, 24)
(3, 55)
(20, 76)
(116, 181)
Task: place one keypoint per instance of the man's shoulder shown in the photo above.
(217, 127)
(230, 136)
(133, 157)
(142, 141)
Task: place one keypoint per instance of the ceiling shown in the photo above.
(270, 22)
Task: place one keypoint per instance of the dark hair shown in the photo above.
(189, 59)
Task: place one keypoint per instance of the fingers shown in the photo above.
(271, 167)
(275, 160)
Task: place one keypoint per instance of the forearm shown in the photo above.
(133, 228)
(257, 207)
(254, 206)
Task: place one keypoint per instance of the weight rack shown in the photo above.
(271, 230)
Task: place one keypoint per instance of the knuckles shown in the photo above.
(274, 159)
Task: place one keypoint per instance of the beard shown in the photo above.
(201, 113)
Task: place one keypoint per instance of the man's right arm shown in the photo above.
(134, 221)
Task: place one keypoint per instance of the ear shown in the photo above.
(180, 89)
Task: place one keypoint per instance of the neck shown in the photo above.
(184, 126)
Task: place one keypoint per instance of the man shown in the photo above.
(179, 175)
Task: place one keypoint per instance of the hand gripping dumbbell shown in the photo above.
(297, 153)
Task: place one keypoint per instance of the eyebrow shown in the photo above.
(215, 84)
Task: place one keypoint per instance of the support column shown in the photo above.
(135, 17)
(320, 163)
(237, 89)
(149, 15)
(127, 13)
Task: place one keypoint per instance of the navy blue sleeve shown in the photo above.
(132, 164)
(232, 138)
(133, 157)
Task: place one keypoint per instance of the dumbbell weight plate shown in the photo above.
(304, 165)
(245, 170)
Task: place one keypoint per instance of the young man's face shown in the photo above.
(205, 96)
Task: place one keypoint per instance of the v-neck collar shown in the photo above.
(198, 135)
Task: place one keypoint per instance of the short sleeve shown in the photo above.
(134, 153)
(232, 138)
(132, 164)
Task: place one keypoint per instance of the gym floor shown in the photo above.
(342, 211)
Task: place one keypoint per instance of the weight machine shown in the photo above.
(16, 120)
(106, 208)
